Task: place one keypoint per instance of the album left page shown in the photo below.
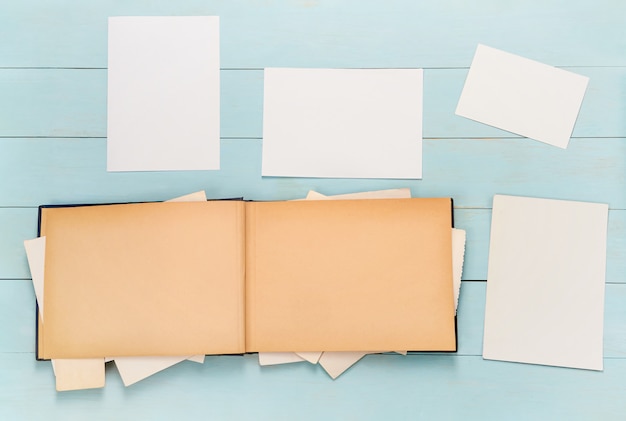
(143, 279)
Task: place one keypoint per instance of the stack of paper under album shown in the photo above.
(151, 284)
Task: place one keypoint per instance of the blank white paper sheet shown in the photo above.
(545, 282)
(163, 93)
(522, 96)
(342, 123)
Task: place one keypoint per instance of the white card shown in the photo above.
(522, 96)
(274, 358)
(36, 256)
(134, 369)
(404, 193)
(78, 374)
(197, 358)
(458, 257)
(163, 93)
(199, 196)
(312, 357)
(335, 363)
(545, 287)
(343, 123)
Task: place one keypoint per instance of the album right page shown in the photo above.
(349, 275)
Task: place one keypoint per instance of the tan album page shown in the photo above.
(143, 279)
(349, 275)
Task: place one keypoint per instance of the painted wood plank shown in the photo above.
(326, 33)
(72, 103)
(614, 321)
(379, 387)
(18, 225)
(317, 33)
(470, 170)
(17, 314)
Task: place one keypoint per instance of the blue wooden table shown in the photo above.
(53, 76)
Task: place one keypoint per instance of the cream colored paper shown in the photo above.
(134, 369)
(404, 193)
(199, 196)
(335, 363)
(545, 288)
(274, 358)
(76, 374)
(312, 357)
(197, 358)
(36, 255)
(522, 96)
(458, 256)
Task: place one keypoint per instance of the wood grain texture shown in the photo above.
(379, 387)
(49, 171)
(17, 316)
(53, 59)
(327, 33)
(16, 225)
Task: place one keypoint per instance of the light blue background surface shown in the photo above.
(53, 150)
